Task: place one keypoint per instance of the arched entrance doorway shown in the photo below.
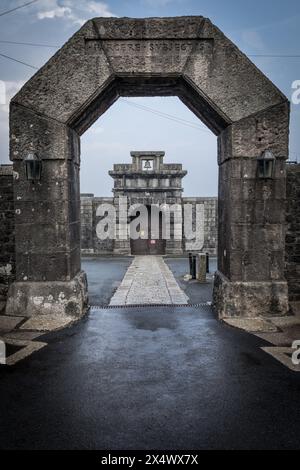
(188, 57)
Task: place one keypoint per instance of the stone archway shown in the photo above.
(108, 58)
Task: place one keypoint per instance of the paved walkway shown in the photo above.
(148, 280)
(150, 378)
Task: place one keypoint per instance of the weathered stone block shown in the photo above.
(43, 267)
(249, 299)
(268, 129)
(52, 237)
(32, 132)
(27, 299)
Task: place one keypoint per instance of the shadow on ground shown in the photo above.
(150, 378)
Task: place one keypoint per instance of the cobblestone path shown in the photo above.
(148, 280)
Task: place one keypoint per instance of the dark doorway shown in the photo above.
(149, 246)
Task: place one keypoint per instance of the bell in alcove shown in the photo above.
(147, 165)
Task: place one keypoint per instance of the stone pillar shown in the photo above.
(49, 279)
(250, 279)
(7, 232)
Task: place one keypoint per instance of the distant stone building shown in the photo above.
(150, 182)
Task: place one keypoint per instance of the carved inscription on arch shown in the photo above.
(158, 52)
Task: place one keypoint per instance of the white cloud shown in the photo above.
(58, 12)
(100, 9)
(11, 88)
(71, 10)
(158, 3)
(52, 9)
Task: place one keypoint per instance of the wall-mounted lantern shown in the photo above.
(266, 165)
(33, 167)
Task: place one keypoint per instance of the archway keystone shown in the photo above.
(108, 58)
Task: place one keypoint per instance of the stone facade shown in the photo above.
(148, 181)
(90, 243)
(7, 231)
(207, 227)
(159, 184)
(292, 252)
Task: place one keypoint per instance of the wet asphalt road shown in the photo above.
(196, 292)
(141, 378)
(104, 276)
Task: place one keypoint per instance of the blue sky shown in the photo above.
(258, 28)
